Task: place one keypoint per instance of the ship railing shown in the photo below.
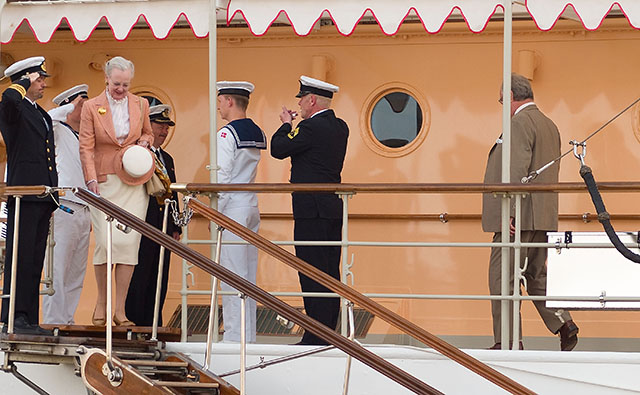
(247, 289)
(346, 191)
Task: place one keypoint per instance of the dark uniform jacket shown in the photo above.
(317, 147)
(28, 135)
(155, 211)
(535, 141)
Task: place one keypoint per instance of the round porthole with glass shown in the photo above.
(396, 120)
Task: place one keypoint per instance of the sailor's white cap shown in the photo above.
(160, 114)
(311, 85)
(242, 88)
(26, 66)
(70, 94)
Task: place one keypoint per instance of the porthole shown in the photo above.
(155, 97)
(396, 120)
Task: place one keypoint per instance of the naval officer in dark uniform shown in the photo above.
(316, 146)
(28, 134)
(141, 297)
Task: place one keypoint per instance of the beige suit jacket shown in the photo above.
(98, 143)
(535, 141)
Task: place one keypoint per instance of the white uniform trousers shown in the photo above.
(243, 261)
(70, 255)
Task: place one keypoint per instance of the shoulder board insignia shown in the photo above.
(293, 133)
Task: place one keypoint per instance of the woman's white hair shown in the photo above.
(120, 63)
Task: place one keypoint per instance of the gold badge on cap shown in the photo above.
(165, 113)
(102, 110)
(43, 68)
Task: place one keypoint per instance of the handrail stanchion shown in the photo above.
(504, 277)
(14, 265)
(344, 257)
(109, 220)
(156, 306)
(184, 291)
(213, 307)
(515, 337)
(47, 279)
(243, 343)
(352, 335)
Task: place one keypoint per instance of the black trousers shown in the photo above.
(326, 259)
(32, 242)
(141, 297)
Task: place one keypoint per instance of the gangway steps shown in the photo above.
(172, 364)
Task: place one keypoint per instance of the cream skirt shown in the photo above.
(132, 198)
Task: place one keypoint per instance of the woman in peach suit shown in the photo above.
(110, 122)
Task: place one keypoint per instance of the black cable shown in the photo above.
(603, 215)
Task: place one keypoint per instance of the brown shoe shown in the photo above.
(498, 346)
(568, 336)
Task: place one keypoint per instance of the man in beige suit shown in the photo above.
(535, 141)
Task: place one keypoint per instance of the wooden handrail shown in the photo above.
(446, 217)
(354, 296)
(563, 187)
(354, 349)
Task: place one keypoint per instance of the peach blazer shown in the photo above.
(98, 143)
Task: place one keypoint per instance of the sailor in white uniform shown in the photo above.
(239, 146)
(70, 230)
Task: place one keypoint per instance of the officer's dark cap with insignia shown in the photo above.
(25, 66)
(311, 85)
(240, 88)
(160, 114)
(70, 94)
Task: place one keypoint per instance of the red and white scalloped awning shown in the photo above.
(303, 14)
(160, 15)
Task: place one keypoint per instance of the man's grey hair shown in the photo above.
(521, 88)
(324, 102)
(120, 63)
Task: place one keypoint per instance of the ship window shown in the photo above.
(396, 120)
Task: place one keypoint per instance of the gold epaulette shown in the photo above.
(19, 88)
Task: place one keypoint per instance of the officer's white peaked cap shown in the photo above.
(26, 66)
(311, 85)
(70, 94)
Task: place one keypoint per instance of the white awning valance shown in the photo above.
(590, 12)
(83, 18)
(303, 14)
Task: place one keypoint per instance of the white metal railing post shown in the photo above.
(156, 305)
(515, 338)
(108, 310)
(212, 330)
(344, 255)
(184, 289)
(504, 276)
(47, 278)
(506, 163)
(14, 265)
(352, 335)
(243, 343)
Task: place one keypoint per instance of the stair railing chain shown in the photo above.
(181, 218)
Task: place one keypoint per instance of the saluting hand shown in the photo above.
(33, 76)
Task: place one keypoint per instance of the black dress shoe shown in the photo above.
(21, 326)
(498, 346)
(568, 336)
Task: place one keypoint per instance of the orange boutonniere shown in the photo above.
(102, 110)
